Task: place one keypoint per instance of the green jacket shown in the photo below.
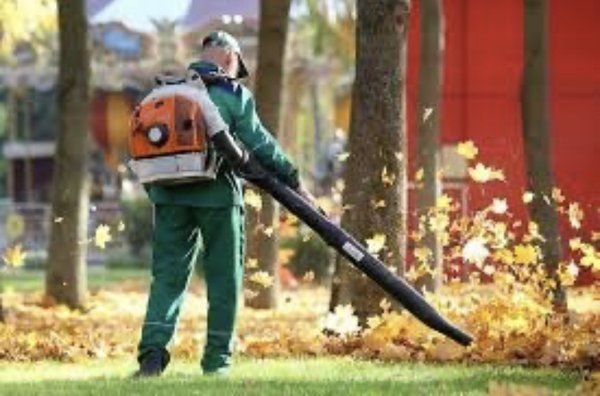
(238, 109)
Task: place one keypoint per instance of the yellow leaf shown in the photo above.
(385, 305)
(467, 149)
(343, 156)
(525, 254)
(475, 251)
(444, 202)
(251, 263)
(422, 254)
(499, 206)
(268, 231)
(386, 177)
(483, 174)
(121, 226)
(528, 197)
(568, 273)
(253, 199)
(309, 276)
(489, 270)
(262, 278)
(378, 204)
(419, 174)
(575, 215)
(439, 222)
(427, 113)
(557, 195)
(341, 321)
(595, 236)
(102, 236)
(14, 256)
(505, 256)
(376, 243)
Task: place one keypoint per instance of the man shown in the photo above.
(206, 219)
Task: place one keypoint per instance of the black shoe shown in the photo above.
(152, 364)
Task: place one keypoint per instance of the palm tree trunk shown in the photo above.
(429, 109)
(66, 275)
(269, 83)
(537, 138)
(376, 168)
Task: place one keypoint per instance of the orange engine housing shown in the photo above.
(166, 126)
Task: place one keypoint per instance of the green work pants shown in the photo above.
(181, 235)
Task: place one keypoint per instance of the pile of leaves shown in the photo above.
(496, 286)
(509, 326)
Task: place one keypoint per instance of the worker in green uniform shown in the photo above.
(205, 220)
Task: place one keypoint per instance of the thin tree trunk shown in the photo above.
(66, 275)
(376, 168)
(429, 110)
(269, 83)
(536, 136)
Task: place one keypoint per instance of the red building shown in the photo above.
(482, 76)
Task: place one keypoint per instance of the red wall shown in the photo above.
(482, 73)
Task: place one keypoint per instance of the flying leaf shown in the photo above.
(262, 278)
(422, 254)
(444, 202)
(475, 251)
(499, 206)
(309, 276)
(342, 157)
(251, 263)
(525, 254)
(483, 174)
(419, 174)
(376, 243)
(102, 236)
(121, 226)
(557, 195)
(14, 256)
(575, 215)
(386, 177)
(427, 113)
(528, 197)
(378, 204)
(253, 199)
(467, 149)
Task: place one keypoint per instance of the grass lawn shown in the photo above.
(313, 376)
(33, 280)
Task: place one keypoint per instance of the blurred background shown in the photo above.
(133, 40)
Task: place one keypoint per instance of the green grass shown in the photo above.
(314, 376)
(33, 280)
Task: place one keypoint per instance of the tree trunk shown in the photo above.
(429, 110)
(376, 168)
(269, 82)
(536, 137)
(66, 275)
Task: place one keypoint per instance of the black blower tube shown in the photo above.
(337, 238)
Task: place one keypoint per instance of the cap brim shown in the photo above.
(242, 70)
